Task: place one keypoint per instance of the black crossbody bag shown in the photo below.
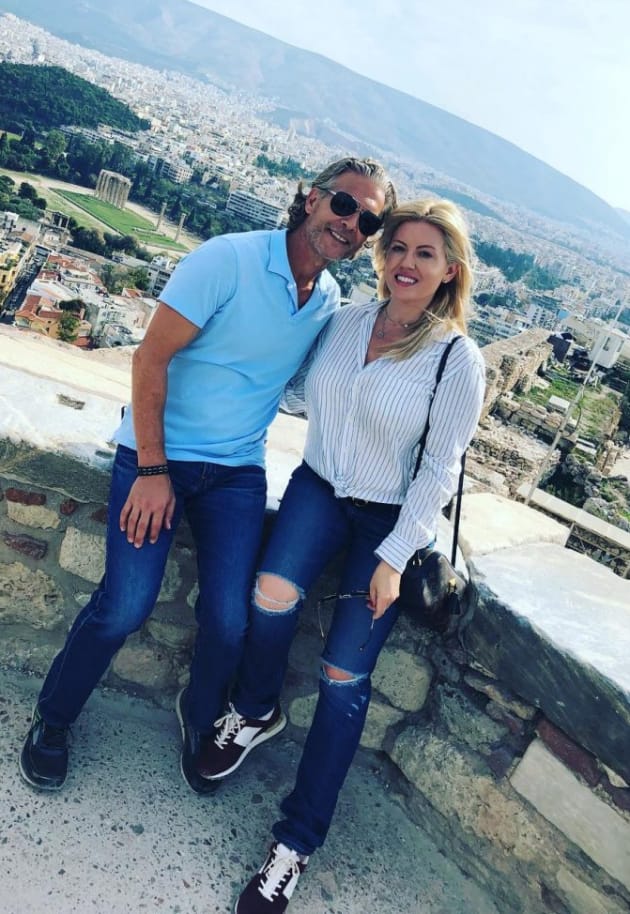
(431, 590)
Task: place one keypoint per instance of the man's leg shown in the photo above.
(119, 606)
(226, 517)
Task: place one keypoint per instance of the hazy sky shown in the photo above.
(551, 76)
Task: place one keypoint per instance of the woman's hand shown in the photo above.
(384, 588)
(149, 508)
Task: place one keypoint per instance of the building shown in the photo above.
(253, 209)
(608, 346)
(159, 271)
(179, 172)
(113, 188)
(9, 267)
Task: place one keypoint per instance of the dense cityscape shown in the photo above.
(203, 137)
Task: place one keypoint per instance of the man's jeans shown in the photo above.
(312, 526)
(225, 509)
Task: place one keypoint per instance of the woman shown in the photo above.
(366, 390)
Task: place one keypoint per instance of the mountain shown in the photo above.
(320, 96)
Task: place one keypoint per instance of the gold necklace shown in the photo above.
(380, 333)
(404, 324)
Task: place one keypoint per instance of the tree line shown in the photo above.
(516, 266)
(44, 97)
(78, 160)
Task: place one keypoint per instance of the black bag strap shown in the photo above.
(423, 441)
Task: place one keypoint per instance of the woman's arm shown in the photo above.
(454, 416)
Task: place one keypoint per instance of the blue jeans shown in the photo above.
(311, 527)
(225, 508)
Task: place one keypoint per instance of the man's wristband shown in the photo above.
(161, 469)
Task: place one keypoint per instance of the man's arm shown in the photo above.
(151, 500)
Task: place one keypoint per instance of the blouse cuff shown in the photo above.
(396, 551)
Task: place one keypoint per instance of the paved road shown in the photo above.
(127, 836)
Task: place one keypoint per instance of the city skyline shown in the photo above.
(563, 69)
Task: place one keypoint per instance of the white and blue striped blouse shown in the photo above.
(365, 422)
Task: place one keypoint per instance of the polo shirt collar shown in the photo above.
(278, 255)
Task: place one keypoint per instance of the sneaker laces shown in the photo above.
(280, 873)
(230, 725)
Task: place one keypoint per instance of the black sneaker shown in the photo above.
(44, 758)
(234, 736)
(192, 742)
(270, 890)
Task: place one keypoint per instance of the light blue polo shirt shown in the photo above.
(224, 388)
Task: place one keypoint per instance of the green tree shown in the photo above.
(73, 306)
(68, 327)
(53, 148)
(27, 191)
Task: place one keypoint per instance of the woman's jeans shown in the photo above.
(225, 509)
(311, 527)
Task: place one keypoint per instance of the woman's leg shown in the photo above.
(352, 649)
(309, 530)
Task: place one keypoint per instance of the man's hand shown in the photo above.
(149, 508)
(384, 588)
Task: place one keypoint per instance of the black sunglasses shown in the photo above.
(344, 204)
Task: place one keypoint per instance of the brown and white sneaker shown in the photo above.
(234, 737)
(270, 890)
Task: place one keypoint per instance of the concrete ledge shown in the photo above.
(555, 627)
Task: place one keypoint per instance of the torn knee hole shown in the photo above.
(274, 593)
(338, 675)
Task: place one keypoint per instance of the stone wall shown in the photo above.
(511, 363)
(512, 747)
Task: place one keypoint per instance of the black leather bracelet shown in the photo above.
(160, 470)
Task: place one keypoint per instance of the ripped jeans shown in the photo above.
(312, 526)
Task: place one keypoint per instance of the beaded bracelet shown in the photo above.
(160, 470)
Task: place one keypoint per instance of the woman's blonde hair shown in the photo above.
(451, 302)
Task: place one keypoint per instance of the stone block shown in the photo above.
(490, 522)
(465, 721)
(513, 723)
(65, 474)
(501, 760)
(28, 653)
(29, 597)
(301, 710)
(68, 507)
(563, 648)
(590, 823)
(403, 678)
(83, 554)
(582, 898)
(171, 582)
(615, 779)
(144, 665)
(568, 751)
(176, 637)
(33, 515)
(620, 796)
(380, 718)
(26, 545)
(22, 497)
(457, 785)
(500, 695)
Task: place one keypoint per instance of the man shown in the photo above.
(233, 324)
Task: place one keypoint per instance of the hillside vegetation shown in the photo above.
(48, 97)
